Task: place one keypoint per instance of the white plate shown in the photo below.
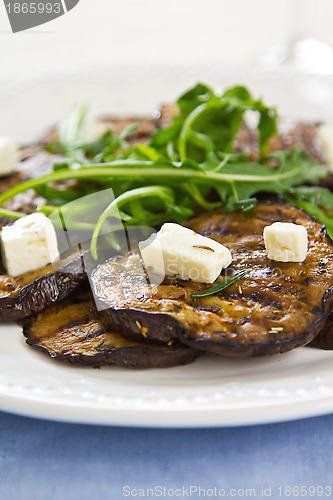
(213, 391)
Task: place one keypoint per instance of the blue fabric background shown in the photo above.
(44, 460)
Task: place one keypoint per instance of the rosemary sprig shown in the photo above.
(222, 285)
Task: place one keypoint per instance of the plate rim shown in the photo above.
(162, 419)
(273, 413)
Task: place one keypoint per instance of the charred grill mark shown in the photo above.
(90, 336)
(276, 305)
(256, 297)
(177, 307)
(213, 309)
(277, 288)
(78, 322)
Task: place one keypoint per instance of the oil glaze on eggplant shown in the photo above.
(324, 339)
(275, 308)
(34, 291)
(71, 331)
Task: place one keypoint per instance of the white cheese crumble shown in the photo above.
(8, 152)
(286, 242)
(179, 252)
(94, 130)
(325, 135)
(28, 244)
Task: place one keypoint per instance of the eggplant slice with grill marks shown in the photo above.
(324, 339)
(34, 291)
(275, 308)
(72, 331)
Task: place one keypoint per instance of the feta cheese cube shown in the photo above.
(28, 244)
(94, 130)
(325, 136)
(8, 152)
(286, 242)
(177, 251)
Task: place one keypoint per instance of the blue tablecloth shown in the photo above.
(43, 460)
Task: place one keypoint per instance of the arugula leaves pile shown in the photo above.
(191, 162)
(314, 200)
(208, 123)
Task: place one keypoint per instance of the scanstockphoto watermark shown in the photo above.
(27, 14)
(264, 491)
(187, 491)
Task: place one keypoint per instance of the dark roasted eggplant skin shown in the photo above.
(324, 339)
(71, 331)
(34, 291)
(275, 308)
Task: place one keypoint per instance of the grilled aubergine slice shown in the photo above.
(72, 331)
(34, 291)
(275, 308)
(324, 339)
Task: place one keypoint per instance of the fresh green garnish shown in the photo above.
(316, 201)
(11, 214)
(222, 285)
(186, 164)
(208, 122)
